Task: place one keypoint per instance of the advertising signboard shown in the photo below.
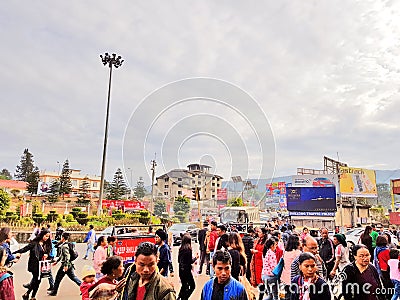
(311, 199)
(122, 204)
(396, 186)
(43, 188)
(126, 246)
(357, 182)
(276, 193)
(325, 180)
(222, 194)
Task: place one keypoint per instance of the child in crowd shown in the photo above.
(393, 264)
(88, 279)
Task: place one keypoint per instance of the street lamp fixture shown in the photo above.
(110, 61)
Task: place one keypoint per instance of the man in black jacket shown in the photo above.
(164, 254)
(248, 243)
(202, 234)
(222, 240)
(326, 250)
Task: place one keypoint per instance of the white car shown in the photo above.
(353, 236)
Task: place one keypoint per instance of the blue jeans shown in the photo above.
(271, 287)
(396, 294)
(211, 267)
(89, 248)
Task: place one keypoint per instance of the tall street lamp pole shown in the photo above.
(111, 61)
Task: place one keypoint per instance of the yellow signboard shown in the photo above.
(357, 182)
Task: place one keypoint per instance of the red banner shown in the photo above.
(396, 186)
(394, 218)
(122, 204)
(126, 247)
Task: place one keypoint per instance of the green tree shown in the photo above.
(159, 207)
(33, 181)
(4, 201)
(84, 191)
(182, 204)
(118, 187)
(139, 191)
(5, 174)
(65, 180)
(25, 167)
(54, 191)
(235, 202)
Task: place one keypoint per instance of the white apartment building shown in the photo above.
(180, 182)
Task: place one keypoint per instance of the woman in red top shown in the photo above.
(108, 286)
(381, 259)
(257, 260)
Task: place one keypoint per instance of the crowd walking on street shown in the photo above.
(271, 262)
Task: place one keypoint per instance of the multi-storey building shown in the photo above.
(76, 180)
(180, 182)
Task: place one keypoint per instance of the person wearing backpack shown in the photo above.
(67, 255)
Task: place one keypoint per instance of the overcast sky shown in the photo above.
(278, 85)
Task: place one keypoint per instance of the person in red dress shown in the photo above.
(257, 260)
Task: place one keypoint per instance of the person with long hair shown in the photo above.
(341, 253)
(6, 278)
(39, 249)
(309, 285)
(269, 263)
(257, 259)
(100, 255)
(366, 240)
(292, 250)
(236, 250)
(185, 260)
(5, 239)
(108, 286)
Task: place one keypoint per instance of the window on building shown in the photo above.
(166, 179)
(94, 184)
(213, 196)
(213, 184)
(166, 186)
(193, 181)
(198, 182)
(74, 182)
(179, 192)
(199, 176)
(218, 185)
(165, 193)
(179, 179)
(179, 185)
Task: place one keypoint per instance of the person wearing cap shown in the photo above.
(66, 268)
(88, 279)
(143, 282)
(201, 237)
(164, 254)
(341, 253)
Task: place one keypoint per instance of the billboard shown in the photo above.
(43, 188)
(324, 180)
(396, 186)
(311, 199)
(122, 204)
(222, 194)
(357, 182)
(276, 193)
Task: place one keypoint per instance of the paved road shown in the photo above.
(69, 290)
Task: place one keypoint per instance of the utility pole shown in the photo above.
(153, 173)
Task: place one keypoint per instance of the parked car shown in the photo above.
(353, 236)
(179, 229)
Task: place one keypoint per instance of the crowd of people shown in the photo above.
(275, 260)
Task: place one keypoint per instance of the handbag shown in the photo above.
(277, 271)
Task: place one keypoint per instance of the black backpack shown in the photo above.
(73, 254)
